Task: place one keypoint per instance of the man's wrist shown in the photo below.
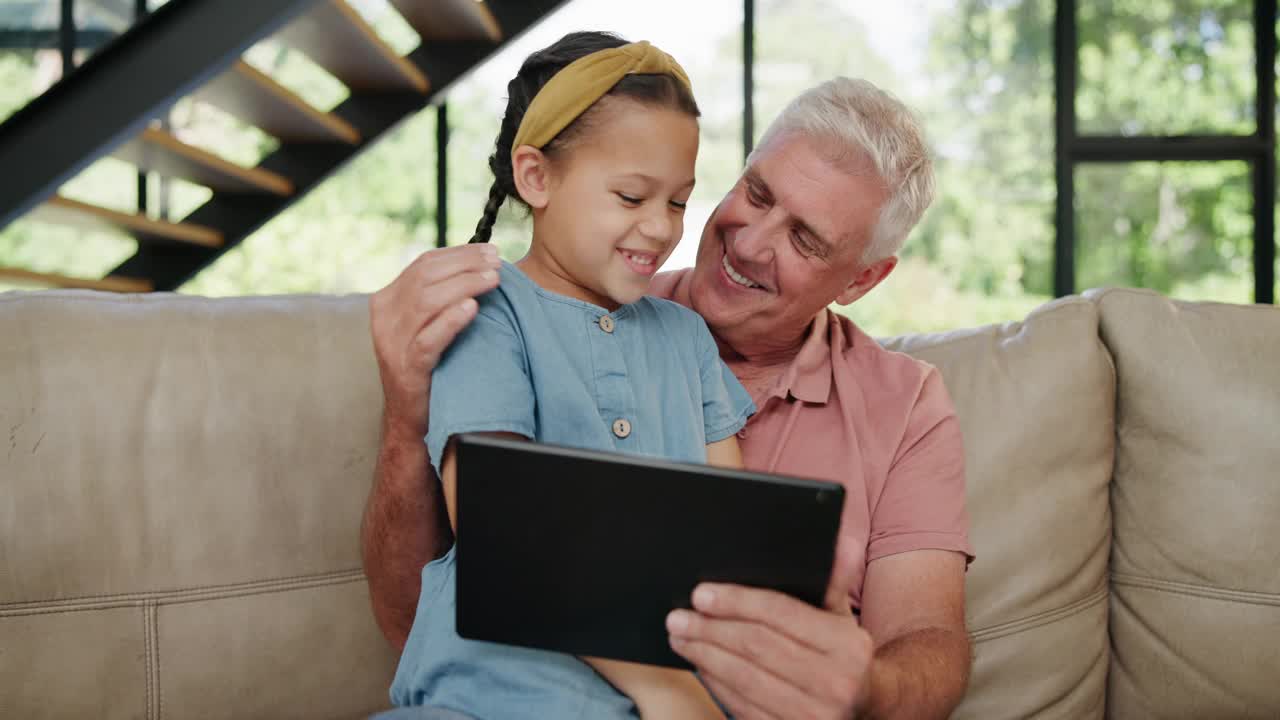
(402, 444)
(401, 429)
(881, 693)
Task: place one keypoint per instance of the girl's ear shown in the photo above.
(531, 170)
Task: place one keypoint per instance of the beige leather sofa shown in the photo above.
(181, 483)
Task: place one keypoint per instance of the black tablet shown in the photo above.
(586, 552)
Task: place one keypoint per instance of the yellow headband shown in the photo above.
(582, 82)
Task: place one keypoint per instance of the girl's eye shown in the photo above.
(628, 199)
(679, 205)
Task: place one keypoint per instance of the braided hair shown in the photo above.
(537, 70)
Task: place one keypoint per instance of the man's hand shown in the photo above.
(768, 655)
(414, 319)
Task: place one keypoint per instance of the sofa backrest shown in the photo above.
(182, 480)
(181, 486)
(1195, 608)
(1035, 401)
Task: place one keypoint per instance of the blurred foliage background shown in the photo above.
(979, 72)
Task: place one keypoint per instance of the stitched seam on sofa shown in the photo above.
(1204, 591)
(190, 588)
(169, 597)
(153, 653)
(154, 623)
(1177, 661)
(146, 667)
(1040, 619)
(155, 637)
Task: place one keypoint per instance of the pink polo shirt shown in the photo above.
(880, 423)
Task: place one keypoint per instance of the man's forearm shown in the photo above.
(922, 674)
(405, 527)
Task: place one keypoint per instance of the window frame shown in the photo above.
(1257, 149)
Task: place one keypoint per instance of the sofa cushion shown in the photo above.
(181, 488)
(1196, 560)
(1035, 401)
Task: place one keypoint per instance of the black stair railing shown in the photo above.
(306, 165)
(180, 47)
(120, 88)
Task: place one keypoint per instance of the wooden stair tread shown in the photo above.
(108, 284)
(161, 152)
(335, 36)
(450, 19)
(252, 96)
(65, 211)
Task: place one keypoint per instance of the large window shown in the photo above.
(360, 227)
(39, 41)
(706, 40)
(1183, 229)
(1078, 143)
(1173, 67)
(979, 74)
(982, 76)
(1165, 67)
(1166, 147)
(39, 37)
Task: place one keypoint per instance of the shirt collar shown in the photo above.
(808, 377)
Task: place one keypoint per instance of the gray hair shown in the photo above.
(852, 119)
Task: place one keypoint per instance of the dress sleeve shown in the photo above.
(482, 384)
(726, 405)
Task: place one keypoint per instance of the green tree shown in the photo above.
(984, 90)
(1168, 66)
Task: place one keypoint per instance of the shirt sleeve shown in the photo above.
(726, 405)
(482, 384)
(922, 506)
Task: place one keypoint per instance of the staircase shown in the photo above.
(193, 48)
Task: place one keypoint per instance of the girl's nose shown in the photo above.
(659, 226)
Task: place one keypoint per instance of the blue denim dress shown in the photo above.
(645, 379)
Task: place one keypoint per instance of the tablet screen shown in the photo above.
(586, 552)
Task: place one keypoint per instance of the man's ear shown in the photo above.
(866, 279)
(531, 170)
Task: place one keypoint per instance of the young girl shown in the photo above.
(598, 141)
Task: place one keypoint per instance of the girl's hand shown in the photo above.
(660, 693)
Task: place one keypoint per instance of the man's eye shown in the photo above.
(801, 244)
(628, 199)
(754, 197)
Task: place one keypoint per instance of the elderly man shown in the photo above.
(820, 212)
